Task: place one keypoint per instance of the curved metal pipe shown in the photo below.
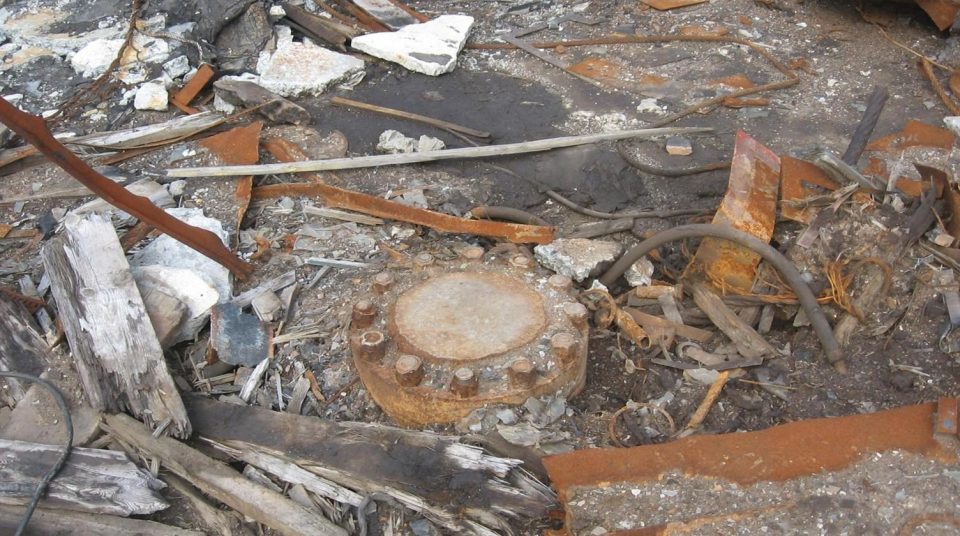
(514, 215)
(786, 268)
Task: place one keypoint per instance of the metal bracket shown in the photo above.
(514, 39)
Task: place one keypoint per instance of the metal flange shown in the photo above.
(433, 343)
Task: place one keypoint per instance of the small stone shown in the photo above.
(303, 68)
(953, 123)
(597, 531)
(151, 96)
(176, 188)
(422, 527)
(649, 105)
(93, 59)
(507, 416)
(277, 13)
(428, 143)
(943, 239)
(753, 113)
(393, 142)
(430, 48)
(640, 273)
(578, 258)
(678, 146)
(177, 67)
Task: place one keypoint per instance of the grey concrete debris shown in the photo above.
(233, 91)
(679, 146)
(393, 141)
(578, 258)
(429, 48)
(302, 68)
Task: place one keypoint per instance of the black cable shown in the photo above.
(52, 473)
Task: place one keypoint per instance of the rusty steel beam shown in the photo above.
(34, 130)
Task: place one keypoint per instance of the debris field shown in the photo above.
(519, 267)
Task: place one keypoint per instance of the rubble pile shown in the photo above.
(552, 267)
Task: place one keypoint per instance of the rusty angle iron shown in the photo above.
(34, 130)
(435, 343)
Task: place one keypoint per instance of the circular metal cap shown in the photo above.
(467, 316)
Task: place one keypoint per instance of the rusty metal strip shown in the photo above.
(192, 88)
(34, 130)
(795, 177)
(750, 205)
(942, 12)
(776, 454)
(238, 147)
(285, 151)
(32, 304)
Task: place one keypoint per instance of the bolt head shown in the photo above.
(560, 282)
(364, 313)
(383, 282)
(522, 373)
(521, 261)
(409, 370)
(371, 345)
(577, 313)
(465, 383)
(472, 253)
(563, 346)
(423, 260)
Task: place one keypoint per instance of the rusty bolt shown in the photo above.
(521, 261)
(372, 345)
(465, 383)
(409, 370)
(472, 253)
(522, 373)
(563, 346)
(560, 282)
(383, 282)
(364, 311)
(577, 313)
(422, 260)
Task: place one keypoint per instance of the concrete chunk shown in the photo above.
(578, 258)
(303, 68)
(429, 48)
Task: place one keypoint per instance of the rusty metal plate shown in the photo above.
(434, 343)
(796, 177)
(749, 205)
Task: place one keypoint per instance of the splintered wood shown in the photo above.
(114, 346)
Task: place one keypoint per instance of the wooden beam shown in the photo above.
(22, 349)
(93, 480)
(66, 523)
(749, 343)
(223, 483)
(431, 156)
(114, 346)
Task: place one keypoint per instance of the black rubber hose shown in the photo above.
(786, 268)
(514, 215)
(68, 446)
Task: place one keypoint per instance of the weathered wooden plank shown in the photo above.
(114, 345)
(47, 522)
(93, 480)
(422, 470)
(21, 350)
(223, 483)
(213, 519)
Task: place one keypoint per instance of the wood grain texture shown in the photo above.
(49, 522)
(21, 349)
(115, 348)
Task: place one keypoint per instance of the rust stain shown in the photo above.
(739, 81)
(746, 103)
(238, 147)
(749, 205)
(793, 174)
(664, 5)
(704, 31)
(914, 134)
(614, 73)
(780, 453)
(30, 303)
(955, 83)
(942, 12)
(192, 88)
(5, 229)
(34, 130)
(285, 151)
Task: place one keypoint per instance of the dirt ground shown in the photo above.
(894, 358)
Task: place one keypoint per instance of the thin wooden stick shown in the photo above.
(698, 416)
(429, 156)
(392, 112)
(927, 66)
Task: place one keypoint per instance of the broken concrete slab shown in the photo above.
(152, 96)
(953, 123)
(578, 258)
(238, 338)
(194, 290)
(167, 251)
(303, 68)
(394, 142)
(430, 48)
(93, 59)
(241, 41)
